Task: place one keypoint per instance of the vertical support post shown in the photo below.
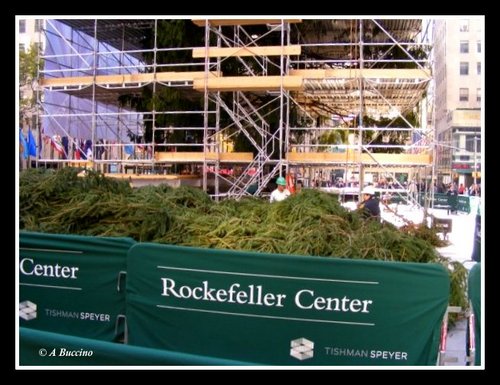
(37, 89)
(205, 111)
(153, 127)
(94, 103)
(361, 108)
(282, 41)
(285, 71)
(217, 138)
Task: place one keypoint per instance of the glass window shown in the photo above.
(22, 47)
(478, 94)
(22, 26)
(479, 46)
(479, 68)
(464, 94)
(464, 46)
(464, 25)
(464, 68)
(473, 143)
(38, 25)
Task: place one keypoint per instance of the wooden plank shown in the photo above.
(201, 52)
(127, 79)
(317, 157)
(179, 157)
(78, 164)
(225, 22)
(397, 159)
(374, 73)
(172, 180)
(66, 81)
(236, 157)
(192, 75)
(141, 176)
(250, 83)
(260, 83)
(198, 157)
(352, 157)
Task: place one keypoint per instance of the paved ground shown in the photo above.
(455, 345)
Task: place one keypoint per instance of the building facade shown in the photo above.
(30, 36)
(31, 32)
(459, 85)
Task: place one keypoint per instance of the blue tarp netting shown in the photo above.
(70, 53)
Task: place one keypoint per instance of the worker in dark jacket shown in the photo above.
(369, 207)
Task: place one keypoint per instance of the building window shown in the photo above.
(479, 68)
(478, 94)
(22, 47)
(464, 46)
(464, 25)
(473, 143)
(38, 25)
(464, 68)
(464, 94)
(479, 46)
(22, 26)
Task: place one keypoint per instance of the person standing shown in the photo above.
(369, 207)
(280, 193)
(452, 198)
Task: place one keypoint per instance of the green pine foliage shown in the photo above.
(310, 223)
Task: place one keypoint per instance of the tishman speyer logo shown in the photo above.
(302, 349)
(27, 310)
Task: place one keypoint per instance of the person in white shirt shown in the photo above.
(281, 193)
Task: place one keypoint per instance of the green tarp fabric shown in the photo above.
(68, 283)
(463, 204)
(284, 310)
(474, 292)
(40, 348)
(456, 202)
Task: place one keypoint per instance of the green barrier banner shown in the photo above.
(463, 204)
(458, 202)
(41, 348)
(282, 309)
(474, 292)
(69, 284)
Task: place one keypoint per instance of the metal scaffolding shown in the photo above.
(301, 94)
